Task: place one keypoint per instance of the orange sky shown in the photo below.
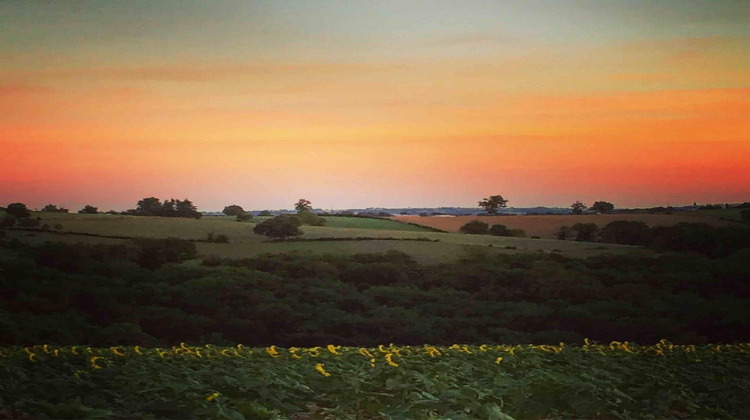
(362, 109)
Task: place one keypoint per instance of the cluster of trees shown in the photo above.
(153, 206)
(681, 237)
(286, 225)
(238, 212)
(493, 203)
(17, 213)
(600, 207)
(132, 294)
(477, 227)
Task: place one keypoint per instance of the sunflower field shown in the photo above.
(616, 380)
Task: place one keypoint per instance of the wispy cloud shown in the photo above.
(207, 73)
(468, 38)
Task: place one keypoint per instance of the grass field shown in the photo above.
(244, 243)
(544, 225)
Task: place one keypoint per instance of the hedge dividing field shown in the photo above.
(618, 380)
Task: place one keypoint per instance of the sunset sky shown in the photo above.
(374, 103)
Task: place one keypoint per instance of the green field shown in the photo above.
(245, 243)
(619, 380)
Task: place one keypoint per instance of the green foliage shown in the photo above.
(67, 294)
(578, 207)
(492, 203)
(233, 210)
(309, 218)
(586, 232)
(602, 207)
(244, 217)
(265, 213)
(279, 227)
(152, 206)
(87, 209)
(475, 227)
(502, 230)
(564, 233)
(18, 210)
(501, 382)
(626, 232)
(219, 239)
(303, 205)
(51, 208)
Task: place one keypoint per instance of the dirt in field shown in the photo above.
(544, 225)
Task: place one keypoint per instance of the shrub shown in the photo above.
(475, 227)
(279, 227)
(499, 230)
(586, 232)
(564, 233)
(18, 210)
(233, 210)
(89, 210)
(626, 232)
(265, 213)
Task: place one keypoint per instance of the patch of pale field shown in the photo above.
(184, 228)
(544, 225)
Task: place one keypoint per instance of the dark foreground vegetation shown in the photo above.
(135, 294)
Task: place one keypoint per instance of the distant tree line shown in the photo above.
(696, 237)
(153, 206)
(477, 227)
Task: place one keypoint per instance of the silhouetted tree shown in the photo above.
(602, 207)
(492, 203)
(626, 232)
(233, 210)
(87, 209)
(586, 232)
(578, 207)
(150, 206)
(279, 227)
(303, 205)
(564, 233)
(185, 208)
(475, 227)
(51, 208)
(19, 210)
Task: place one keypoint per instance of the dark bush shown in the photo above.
(19, 210)
(279, 227)
(586, 232)
(475, 227)
(626, 232)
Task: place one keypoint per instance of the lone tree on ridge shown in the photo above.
(492, 203)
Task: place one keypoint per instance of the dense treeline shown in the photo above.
(695, 237)
(131, 294)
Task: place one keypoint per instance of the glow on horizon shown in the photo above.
(374, 105)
